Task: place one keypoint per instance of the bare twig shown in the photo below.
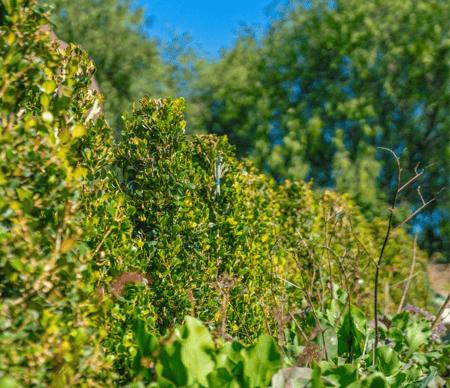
(419, 209)
(327, 242)
(321, 297)
(310, 305)
(265, 319)
(389, 231)
(377, 273)
(412, 179)
(299, 328)
(359, 242)
(441, 310)
(409, 278)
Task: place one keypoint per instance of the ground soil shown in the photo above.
(440, 278)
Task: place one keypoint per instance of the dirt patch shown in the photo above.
(440, 278)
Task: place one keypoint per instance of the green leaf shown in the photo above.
(354, 326)
(316, 380)
(197, 352)
(221, 378)
(45, 100)
(174, 369)
(375, 380)
(401, 320)
(400, 379)
(78, 131)
(131, 210)
(262, 360)
(111, 210)
(427, 380)
(229, 356)
(417, 334)
(23, 194)
(17, 264)
(49, 86)
(343, 376)
(147, 344)
(10, 382)
(387, 360)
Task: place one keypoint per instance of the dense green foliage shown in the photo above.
(188, 357)
(213, 238)
(48, 334)
(328, 85)
(128, 63)
(217, 240)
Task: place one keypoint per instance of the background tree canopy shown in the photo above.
(328, 84)
(128, 63)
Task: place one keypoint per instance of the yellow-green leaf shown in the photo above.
(45, 100)
(49, 86)
(78, 131)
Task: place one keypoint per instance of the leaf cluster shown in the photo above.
(211, 236)
(48, 335)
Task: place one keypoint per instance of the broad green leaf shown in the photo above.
(387, 360)
(401, 320)
(197, 352)
(17, 264)
(9, 382)
(375, 380)
(343, 376)
(262, 360)
(316, 380)
(23, 194)
(173, 366)
(229, 356)
(221, 378)
(417, 334)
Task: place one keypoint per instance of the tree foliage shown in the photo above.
(212, 236)
(329, 84)
(48, 334)
(128, 63)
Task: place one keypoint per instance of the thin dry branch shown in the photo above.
(441, 310)
(400, 306)
(298, 327)
(377, 273)
(389, 231)
(321, 297)
(419, 209)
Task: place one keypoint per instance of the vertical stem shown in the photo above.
(377, 273)
(409, 279)
(386, 298)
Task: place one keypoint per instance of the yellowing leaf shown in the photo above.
(49, 86)
(78, 131)
(45, 100)
(79, 172)
(64, 135)
(67, 244)
(31, 123)
(11, 38)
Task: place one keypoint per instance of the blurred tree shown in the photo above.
(128, 63)
(329, 84)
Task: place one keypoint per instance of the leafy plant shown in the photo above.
(106, 247)
(48, 333)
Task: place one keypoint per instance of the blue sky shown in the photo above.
(211, 24)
